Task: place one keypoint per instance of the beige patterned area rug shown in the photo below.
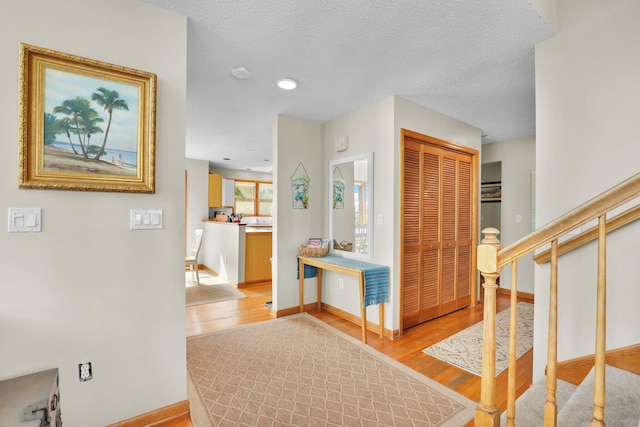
(464, 349)
(299, 371)
(211, 289)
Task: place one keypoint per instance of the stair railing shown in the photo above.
(492, 258)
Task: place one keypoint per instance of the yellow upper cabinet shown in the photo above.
(215, 190)
(221, 191)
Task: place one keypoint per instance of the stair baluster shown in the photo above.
(513, 332)
(550, 406)
(601, 323)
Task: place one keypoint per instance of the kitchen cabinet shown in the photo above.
(257, 267)
(215, 190)
(221, 191)
(228, 192)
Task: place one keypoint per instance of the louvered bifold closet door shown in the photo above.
(463, 262)
(430, 233)
(448, 230)
(411, 272)
(436, 232)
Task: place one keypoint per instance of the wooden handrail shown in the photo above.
(590, 234)
(490, 260)
(599, 205)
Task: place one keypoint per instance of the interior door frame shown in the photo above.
(475, 207)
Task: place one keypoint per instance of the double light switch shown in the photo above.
(25, 219)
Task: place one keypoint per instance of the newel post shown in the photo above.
(487, 413)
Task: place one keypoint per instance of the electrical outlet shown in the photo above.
(84, 371)
(341, 283)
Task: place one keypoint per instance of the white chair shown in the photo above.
(361, 238)
(191, 260)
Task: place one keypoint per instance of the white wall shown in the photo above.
(197, 200)
(295, 141)
(587, 104)
(518, 158)
(368, 129)
(87, 288)
(377, 128)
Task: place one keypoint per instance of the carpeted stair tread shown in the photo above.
(530, 406)
(622, 401)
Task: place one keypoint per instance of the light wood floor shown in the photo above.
(407, 349)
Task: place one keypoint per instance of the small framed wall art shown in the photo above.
(491, 192)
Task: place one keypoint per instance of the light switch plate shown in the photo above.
(25, 219)
(145, 219)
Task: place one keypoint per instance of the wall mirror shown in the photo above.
(350, 206)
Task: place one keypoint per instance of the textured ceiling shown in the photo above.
(471, 60)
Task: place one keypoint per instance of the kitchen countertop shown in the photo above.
(222, 222)
(258, 229)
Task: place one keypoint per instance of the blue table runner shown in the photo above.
(376, 277)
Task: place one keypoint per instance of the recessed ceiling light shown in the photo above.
(287, 84)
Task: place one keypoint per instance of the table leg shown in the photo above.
(363, 310)
(301, 274)
(319, 288)
(381, 319)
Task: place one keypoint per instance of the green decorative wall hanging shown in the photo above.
(300, 182)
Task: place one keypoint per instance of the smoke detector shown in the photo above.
(240, 73)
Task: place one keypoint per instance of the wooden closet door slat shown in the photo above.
(430, 198)
(411, 197)
(448, 218)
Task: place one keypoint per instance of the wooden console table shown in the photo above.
(353, 268)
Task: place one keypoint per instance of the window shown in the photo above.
(360, 193)
(265, 197)
(253, 198)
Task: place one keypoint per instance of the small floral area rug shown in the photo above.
(464, 349)
(211, 289)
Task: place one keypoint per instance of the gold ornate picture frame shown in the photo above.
(85, 124)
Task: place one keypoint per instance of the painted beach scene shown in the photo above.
(90, 125)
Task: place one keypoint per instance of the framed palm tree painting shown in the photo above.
(85, 124)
